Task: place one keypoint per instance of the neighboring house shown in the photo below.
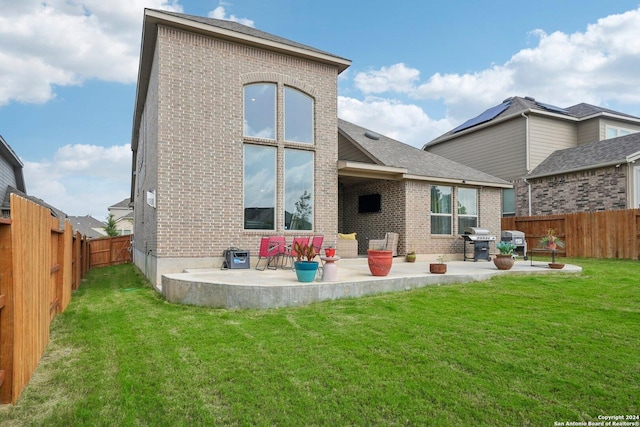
(12, 182)
(123, 215)
(236, 136)
(427, 199)
(88, 225)
(11, 175)
(511, 139)
(599, 176)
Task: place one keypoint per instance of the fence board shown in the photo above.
(607, 234)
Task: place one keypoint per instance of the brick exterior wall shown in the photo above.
(405, 210)
(588, 191)
(193, 137)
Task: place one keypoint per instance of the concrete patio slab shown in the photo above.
(250, 288)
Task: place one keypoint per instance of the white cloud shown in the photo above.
(220, 13)
(396, 78)
(82, 179)
(597, 66)
(44, 44)
(404, 122)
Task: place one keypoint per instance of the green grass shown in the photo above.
(512, 351)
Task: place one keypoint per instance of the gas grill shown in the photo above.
(479, 238)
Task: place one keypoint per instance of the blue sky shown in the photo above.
(419, 68)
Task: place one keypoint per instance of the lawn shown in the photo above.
(512, 351)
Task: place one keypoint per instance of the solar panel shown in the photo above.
(552, 108)
(487, 115)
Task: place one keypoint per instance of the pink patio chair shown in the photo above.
(316, 242)
(291, 254)
(270, 248)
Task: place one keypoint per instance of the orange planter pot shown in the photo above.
(380, 262)
(504, 262)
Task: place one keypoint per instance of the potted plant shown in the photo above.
(440, 267)
(551, 241)
(411, 256)
(330, 251)
(507, 256)
(380, 261)
(306, 270)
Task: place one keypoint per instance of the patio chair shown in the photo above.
(389, 243)
(271, 247)
(290, 252)
(316, 242)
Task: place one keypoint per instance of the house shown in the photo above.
(88, 225)
(598, 176)
(418, 190)
(236, 136)
(12, 182)
(123, 216)
(511, 139)
(11, 175)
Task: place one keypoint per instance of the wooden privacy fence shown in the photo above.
(607, 234)
(40, 266)
(110, 251)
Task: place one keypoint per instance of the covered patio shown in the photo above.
(249, 288)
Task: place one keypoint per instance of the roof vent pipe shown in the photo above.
(372, 135)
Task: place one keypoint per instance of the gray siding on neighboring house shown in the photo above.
(547, 135)
(7, 176)
(497, 150)
(589, 131)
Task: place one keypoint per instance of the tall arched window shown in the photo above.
(298, 116)
(260, 110)
(264, 208)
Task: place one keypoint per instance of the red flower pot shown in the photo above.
(331, 252)
(379, 262)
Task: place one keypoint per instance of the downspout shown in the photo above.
(527, 159)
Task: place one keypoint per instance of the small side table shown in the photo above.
(330, 268)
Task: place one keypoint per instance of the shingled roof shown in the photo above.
(608, 152)
(389, 152)
(516, 105)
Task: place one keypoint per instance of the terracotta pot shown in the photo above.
(438, 268)
(504, 262)
(379, 262)
(556, 265)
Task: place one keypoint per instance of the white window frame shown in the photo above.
(443, 215)
(467, 215)
(620, 131)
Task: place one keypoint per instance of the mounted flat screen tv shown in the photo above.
(369, 203)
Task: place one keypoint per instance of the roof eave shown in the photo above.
(579, 169)
(458, 181)
(369, 170)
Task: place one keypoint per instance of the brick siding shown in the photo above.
(587, 191)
